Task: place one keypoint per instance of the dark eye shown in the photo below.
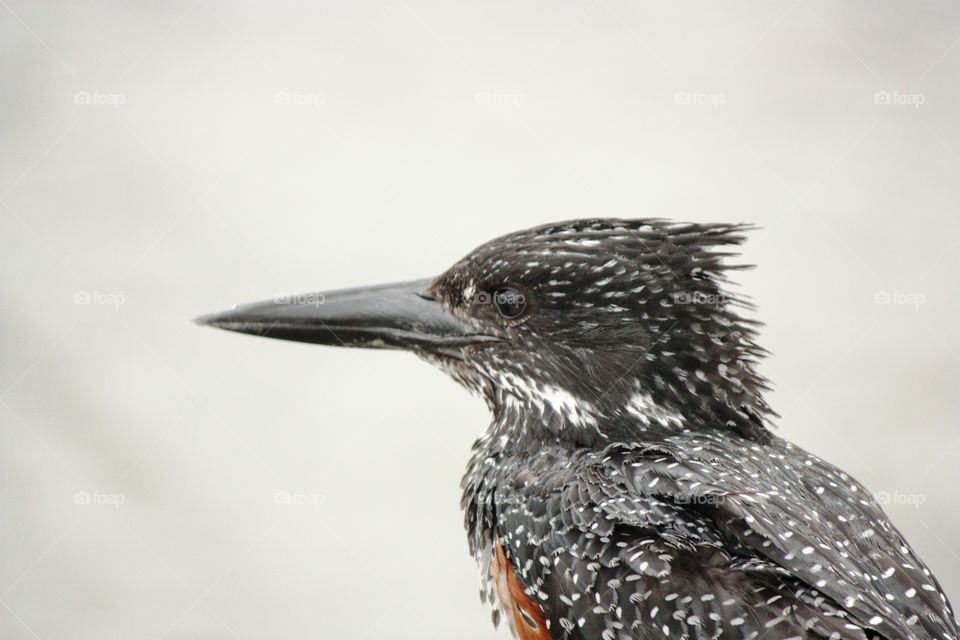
(509, 302)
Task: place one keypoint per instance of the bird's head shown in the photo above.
(593, 328)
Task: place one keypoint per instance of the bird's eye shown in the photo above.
(510, 303)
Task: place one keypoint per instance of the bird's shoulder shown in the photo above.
(707, 516)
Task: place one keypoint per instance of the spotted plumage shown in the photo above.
(629, 473)
(629, 486)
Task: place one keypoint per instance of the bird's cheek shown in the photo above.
(480, 352)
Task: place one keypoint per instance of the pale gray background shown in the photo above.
(273, 147)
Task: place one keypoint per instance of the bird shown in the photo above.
(630, 484)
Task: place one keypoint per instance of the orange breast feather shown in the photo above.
(523, 615)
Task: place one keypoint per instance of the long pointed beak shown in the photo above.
(390, 316)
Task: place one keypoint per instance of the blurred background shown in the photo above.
(162, 160)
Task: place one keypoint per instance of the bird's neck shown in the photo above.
(544, 421)
(539, 416)
(528, 417)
